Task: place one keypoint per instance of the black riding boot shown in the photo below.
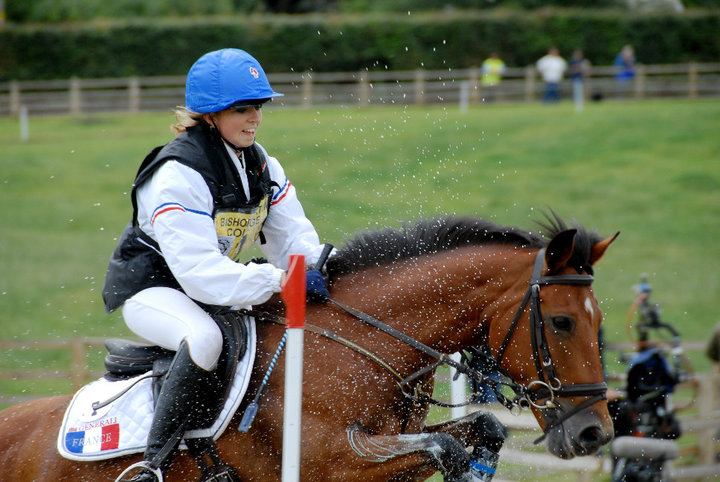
(182, 399)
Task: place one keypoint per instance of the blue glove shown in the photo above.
(316, 289)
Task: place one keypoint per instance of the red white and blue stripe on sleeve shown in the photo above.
(282, 192)
(174, 206)
(168, 207)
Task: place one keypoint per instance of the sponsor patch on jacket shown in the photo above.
(239, 228)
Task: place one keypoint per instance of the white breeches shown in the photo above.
(166, 317)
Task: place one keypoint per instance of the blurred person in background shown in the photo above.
(625, 70)
(551, 68)
(579, 70)
(493, 69)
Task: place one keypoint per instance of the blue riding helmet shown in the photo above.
(226, 78)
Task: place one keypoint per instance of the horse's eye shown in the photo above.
(562, 323)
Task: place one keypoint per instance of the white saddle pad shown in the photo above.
(122, 427)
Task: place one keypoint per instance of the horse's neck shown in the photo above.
(443, 300)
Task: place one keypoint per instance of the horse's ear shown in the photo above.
(598, 249)
(559, 250)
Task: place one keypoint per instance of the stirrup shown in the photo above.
(143, 464)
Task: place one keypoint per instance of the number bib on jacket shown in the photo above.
(238, 228)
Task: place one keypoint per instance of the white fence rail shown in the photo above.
(134, 94)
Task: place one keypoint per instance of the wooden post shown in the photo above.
(307, 90)
(692, 80)
(14, 98)
(363, 88)
(464, 96)
(75, 96)
(134, 94)
(24, 124)
(639, 82)
(458, 390)
(77, 363)
(474, 85)
(706, 402)
(419, 86)
(529, 83)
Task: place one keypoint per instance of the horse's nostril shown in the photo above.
(591, 438)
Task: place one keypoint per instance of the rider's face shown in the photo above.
(239, 126)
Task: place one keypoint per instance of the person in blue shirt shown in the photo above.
(625, 69)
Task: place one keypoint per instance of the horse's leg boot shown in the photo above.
(186, 394)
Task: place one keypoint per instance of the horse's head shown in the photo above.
(455, 282)
(552, 341)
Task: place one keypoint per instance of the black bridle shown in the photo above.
(548, 387)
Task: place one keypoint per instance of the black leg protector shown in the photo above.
(182, 399)
(486, 451)
(451, 459)
(489, 431)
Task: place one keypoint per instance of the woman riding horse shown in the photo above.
(198, 202)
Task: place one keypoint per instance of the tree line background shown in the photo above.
(73, 10)
(51, 39)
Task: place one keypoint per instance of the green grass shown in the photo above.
(648, 169)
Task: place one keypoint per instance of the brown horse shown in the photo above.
(449, 283)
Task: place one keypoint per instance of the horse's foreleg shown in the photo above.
(480, 430)
(477, 428)
(441, 451)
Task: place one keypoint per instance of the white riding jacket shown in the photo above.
(188, 240)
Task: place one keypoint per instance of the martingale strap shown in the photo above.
(278, 320)
(389, 330)
(404, 383)
(442, 358)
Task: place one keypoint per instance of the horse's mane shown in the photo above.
(372, 248)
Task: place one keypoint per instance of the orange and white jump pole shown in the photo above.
(293, 294)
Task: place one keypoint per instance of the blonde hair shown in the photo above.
(185, 118)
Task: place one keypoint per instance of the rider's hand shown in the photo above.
(316, 289)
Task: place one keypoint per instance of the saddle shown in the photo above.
(127, 359)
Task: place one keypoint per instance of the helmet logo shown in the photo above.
(254, 72)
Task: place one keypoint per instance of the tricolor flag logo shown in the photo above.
(93, 440)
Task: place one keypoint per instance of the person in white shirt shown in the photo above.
(198, 202)
(551, 67)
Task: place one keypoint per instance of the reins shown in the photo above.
(279, 320)
(547, 387)
(441, 359)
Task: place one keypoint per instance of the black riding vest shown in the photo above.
(137, 264)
